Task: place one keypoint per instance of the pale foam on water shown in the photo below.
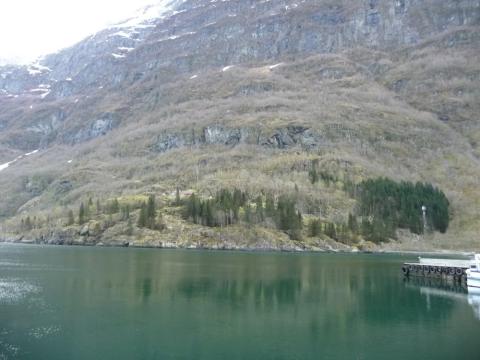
(12, 290)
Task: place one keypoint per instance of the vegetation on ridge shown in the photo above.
(382, 206)
(228, 208)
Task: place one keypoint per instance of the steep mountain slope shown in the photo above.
(209, 94)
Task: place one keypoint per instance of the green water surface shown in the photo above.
(113, 303)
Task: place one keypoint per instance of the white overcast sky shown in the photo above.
(30, 28)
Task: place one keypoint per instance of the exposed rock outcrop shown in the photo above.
(95, 128)
(282, 138)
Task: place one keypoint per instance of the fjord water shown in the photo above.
(112, 303)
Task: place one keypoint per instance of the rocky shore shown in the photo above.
(68, 238)
(188, 237)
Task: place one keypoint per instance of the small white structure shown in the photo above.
(473, 275)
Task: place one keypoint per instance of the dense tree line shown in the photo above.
(386, 205)
(222, 210)
(383, 206)
(231, 207)
(148, 217)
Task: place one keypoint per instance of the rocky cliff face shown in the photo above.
(194, 35)
(388, 85)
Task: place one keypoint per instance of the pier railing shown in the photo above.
(445, 268)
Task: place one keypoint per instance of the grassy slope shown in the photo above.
(369, 126)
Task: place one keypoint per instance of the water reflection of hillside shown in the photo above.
(310, 286)
(239, 305)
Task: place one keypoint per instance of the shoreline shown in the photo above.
(433, 252)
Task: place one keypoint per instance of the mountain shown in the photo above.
(204, 95)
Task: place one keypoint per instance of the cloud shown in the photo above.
(30, 28)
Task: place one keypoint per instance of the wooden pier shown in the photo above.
(442, 268)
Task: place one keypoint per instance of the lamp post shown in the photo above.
(424, 213)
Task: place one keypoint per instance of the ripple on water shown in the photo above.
(8, 265)
(44, 331)
(12, 290)
(8, 351)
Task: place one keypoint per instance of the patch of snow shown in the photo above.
(118, 56)
(275, 66)
(33, 72)
(193, 77)
(69, 161)
(40, 91)
(144, 16)
(36, 69)
(293, 6)
(127, 49)
(68, 79)
(173, 37)
(226, 68)
(6, 165)
(122, 34)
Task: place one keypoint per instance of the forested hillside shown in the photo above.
(251, 124)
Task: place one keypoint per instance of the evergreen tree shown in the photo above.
(28, 224)
(129, 227)
(327, 178)
(114, 206)
(315, 228)
(71, 219)
(313, 175)
(151, 212)
(81, 214)
(331, 231)
(142, 219)
(270, 205)
(87, 211)
(209, 217)
(248, 214)
(193, 208)
(367, 230)
(178, 201)
(352, 223)
(259, 210)
(342, 233)
(288, 219)
(125, 212)
(110, 220)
